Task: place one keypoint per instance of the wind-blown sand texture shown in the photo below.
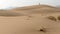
(29, 20)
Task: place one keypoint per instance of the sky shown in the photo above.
(4, 4)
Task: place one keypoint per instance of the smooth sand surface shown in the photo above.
(30, 22)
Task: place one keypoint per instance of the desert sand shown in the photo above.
(29, 20)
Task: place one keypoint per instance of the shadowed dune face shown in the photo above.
(9, 13)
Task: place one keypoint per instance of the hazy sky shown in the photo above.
(18, 3)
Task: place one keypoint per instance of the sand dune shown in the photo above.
(9, 13)
(35, 9)
(32, 20)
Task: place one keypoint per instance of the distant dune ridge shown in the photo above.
(33, 7)
(29, 10)
(9, 13)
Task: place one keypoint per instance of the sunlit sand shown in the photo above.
(29, 20)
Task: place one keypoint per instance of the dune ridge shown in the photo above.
(35, 9)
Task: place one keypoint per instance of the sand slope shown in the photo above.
(35, 9)
(32, 20)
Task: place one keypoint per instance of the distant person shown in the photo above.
(39, 3)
